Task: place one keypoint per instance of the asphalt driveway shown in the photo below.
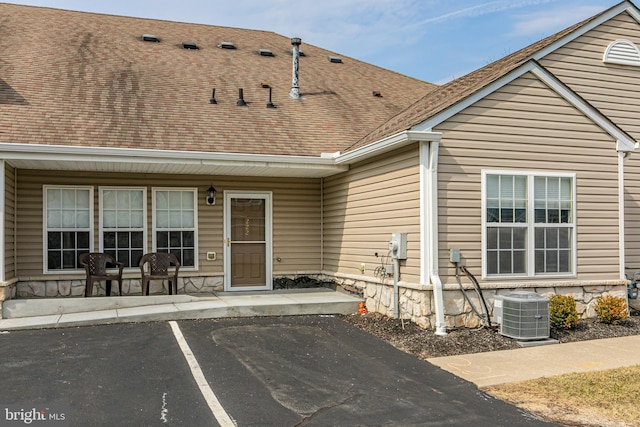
(272, 371)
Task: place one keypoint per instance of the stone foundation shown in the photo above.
(76, 288)
(416, 301)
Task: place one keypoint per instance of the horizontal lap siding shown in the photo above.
(500, 133)
(615, 91)
(364, 206)
(296, 215)
(9, 223)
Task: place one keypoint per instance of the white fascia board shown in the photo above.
(615, 11)
(387, 144)
(623, 141)
(9, 151)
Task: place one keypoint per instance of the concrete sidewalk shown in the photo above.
(53, 313)
(499, 367)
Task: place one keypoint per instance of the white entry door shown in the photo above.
(247, 225)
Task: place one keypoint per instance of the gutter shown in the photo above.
(74, 157)
(387, 144)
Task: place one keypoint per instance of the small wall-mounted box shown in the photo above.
(211, 256)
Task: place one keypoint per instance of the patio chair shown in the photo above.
(159, 263)
(95, 265)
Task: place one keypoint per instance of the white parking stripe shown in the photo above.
(214, 404)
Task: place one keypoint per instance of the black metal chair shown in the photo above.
(95, 265)
(159, 263)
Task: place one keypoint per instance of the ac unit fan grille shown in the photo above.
(525, 319)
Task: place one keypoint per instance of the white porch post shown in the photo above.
(2, 227)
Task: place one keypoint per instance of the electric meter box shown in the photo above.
(398, 245)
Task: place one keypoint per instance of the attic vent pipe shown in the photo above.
(213, 97)
(270, 103)
(241, 102)
(295, 87)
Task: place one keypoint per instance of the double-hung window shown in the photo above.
(68, 224)
(123, 224)
(174, 222)
(529, 224)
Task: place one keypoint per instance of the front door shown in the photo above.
(247, 258)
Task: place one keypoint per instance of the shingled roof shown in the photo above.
(84, 79)
(450, 94)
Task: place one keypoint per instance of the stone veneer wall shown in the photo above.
(7, 291)
(75, 288)
(416, 302)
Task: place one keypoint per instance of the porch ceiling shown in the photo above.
(61, 158)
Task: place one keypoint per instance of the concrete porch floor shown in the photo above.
(68, 312)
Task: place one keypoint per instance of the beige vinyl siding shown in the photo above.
(296, 215)
(363, 206)
(9, 223)
(615, 91)
(525, 126)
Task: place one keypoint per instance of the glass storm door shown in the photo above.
(247, 241)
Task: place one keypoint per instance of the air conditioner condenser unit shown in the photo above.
(522, 315)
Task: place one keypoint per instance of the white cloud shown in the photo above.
(482, 9)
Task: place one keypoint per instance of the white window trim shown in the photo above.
(144, 224)
(154, 190)
(530, 225)
(45, 244)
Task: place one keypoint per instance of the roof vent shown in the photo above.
(150, 38)
(265, 52)
(241, 102)
(295, 86)
(226, 45)
(376, 94)
(622, 52)
(213, 97)
(335, 59)
(270, 103)
(189, 45)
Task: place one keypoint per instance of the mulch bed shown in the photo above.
(424, 344)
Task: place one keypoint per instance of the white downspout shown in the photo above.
(429, 221)
(621, 158)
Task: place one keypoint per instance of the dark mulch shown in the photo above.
(423, 343)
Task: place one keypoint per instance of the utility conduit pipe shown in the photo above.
(396, 292)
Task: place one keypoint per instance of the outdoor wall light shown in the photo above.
(211, 196)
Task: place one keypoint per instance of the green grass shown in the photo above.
(602, 395)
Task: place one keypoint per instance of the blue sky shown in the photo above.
(433, 40)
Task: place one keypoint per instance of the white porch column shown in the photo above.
(2, 225)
